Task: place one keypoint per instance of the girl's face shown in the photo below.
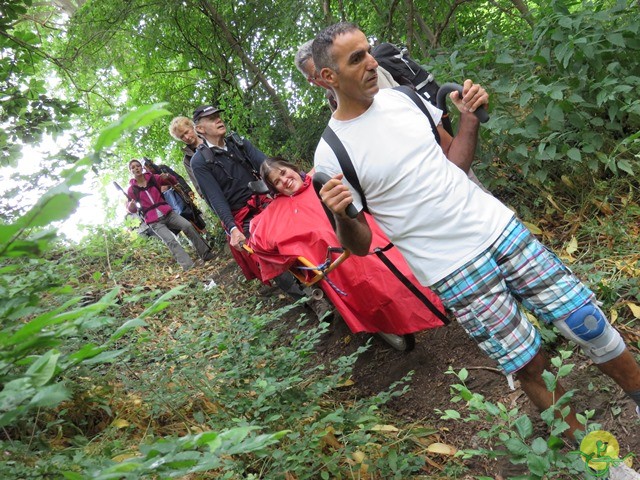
(135, 168)
(285, 180)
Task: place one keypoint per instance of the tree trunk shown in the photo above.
(426, 31)
(524, 10)
(219, 22)
(326, 10)
(409, 27)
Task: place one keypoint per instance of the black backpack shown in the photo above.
(406, 71)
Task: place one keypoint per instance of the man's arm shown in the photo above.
(212, 191)
(353, 233)
(186, 161)
(255, 156)
(461, 149)
(165, 179)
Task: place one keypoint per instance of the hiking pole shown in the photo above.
(117, 185)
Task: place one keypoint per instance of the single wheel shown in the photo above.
(402, 343)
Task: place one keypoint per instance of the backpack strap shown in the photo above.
(344, 160)
(350, 174)
(407, 283)
(241, 159)
(151, 183)
(409, 92)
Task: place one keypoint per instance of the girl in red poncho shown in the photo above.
(367, 295)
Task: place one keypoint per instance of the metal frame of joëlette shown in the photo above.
(319, 274)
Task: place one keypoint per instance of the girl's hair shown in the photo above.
(134, 160)
(274, 163)
(150, 166)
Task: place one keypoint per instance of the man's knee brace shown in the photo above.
(589, 328)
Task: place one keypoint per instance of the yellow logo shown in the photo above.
(600, 450)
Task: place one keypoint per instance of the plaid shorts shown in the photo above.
(484, 295)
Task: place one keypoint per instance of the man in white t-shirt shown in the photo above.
(460, 241)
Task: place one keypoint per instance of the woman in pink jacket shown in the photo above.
(146, 198)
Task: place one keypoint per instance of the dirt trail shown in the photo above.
(435, 351)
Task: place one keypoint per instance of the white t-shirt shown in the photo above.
(425, 204)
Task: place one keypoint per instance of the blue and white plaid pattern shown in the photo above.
(484, 295)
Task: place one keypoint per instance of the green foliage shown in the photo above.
(244, 378)
(561, 96)
(511, 434)
(192, 453)
(28, 110)
(42, 321)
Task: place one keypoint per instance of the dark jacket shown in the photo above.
(186, 161)
(224, 178)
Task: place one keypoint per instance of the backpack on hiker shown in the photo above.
(408, 72)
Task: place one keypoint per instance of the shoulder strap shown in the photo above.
(409, 92)
(150, 183)
(350, 174)
(346, 165)
(244, 156)
(407, 283)
(207, 153)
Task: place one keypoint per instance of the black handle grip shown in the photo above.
(319, 179)
(446, 89)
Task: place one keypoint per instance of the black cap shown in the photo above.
(204, 111)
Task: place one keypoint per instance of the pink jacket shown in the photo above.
(150, 198)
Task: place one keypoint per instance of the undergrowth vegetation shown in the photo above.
(204, 383)
(114, 365)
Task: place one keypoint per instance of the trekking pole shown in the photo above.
(443, 93)
(117, 185)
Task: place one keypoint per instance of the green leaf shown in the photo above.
(126, 327)
(131, 121)
(50, 396)
(555, 443)
(504, 59)
(524, 426)
(625, 166)
(87, 351)
(105, 357)
(50, 208)
(617, 39)
(538, 465)
(162, 302)
(517, 447)
(539, 446)
(43, 369)
(574, 154)
(549, 380)
(565, 370)
(451, 414)
(73, 476)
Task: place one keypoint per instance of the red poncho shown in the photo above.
(375, 300)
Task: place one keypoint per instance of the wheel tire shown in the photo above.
(402, 343)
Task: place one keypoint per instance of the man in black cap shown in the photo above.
(223, 166)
